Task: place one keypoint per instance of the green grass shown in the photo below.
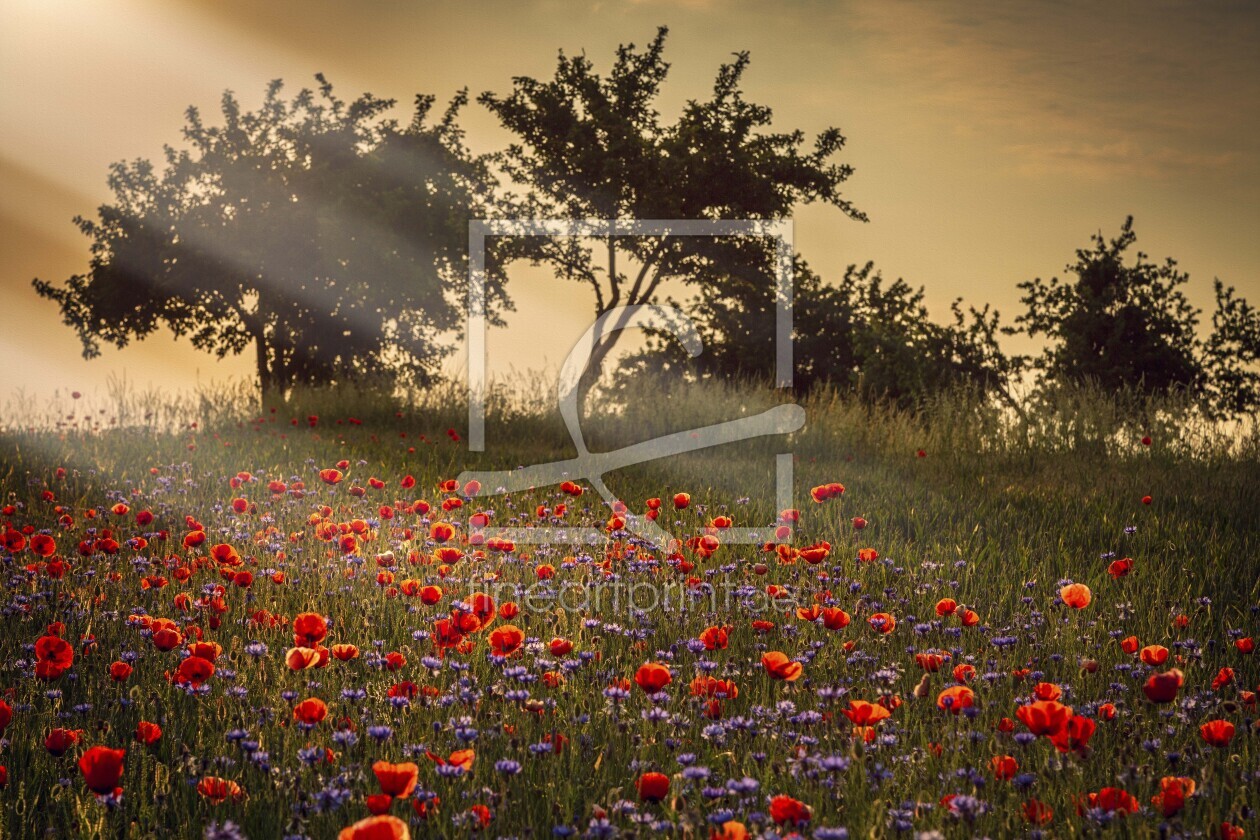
(995, 515)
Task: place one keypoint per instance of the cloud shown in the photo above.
(684, 4)
(1120, 159)
(1100, 90)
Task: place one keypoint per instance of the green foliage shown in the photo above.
(988, 521)
(318, 231)
(592, 146)
(1129, 330)
(863, 335)
(1232, 354)
(1119, 326)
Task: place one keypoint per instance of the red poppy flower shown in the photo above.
(1074, 735)
(480, 816)
(1076, 595)
(863, 713)
(930, 662)
(706, 686)
(310, 711)
(1223, 677)
(309, 629)
(194, 671)
(652, 677)
(447, 554)
(378, 803)
(1218, 733)
(1047, 691)
(1120, 568)
(785, 809)
(218, 791)
(653, 787)
(446, 634)
(1162, 688)
(1004, 767)
(824, 492)
(379, 827)
(1173, 793)
(396, 779)
(59, 741)
(955, 698)
(1044, 717)
(55, 651)
(301, 658)
(459, 758)
(102, 769)
(780, 667)
(482, 607)
(816, 553)
(148, 733)
(882, 622)
(810, 613)
(506, 639)
(344, 653)
(430, 595)
(1112, 800)
(206, 650)
(1037, 812)
(834, 618)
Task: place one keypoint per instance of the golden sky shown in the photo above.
(989, 139)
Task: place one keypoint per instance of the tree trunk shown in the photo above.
(269, 394)
(594, 370)
(635, 296)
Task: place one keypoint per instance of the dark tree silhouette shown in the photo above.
(863, 335)
(1117, 326)
(319, 232)
(588, 146)
(1232, 354)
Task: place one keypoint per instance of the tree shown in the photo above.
(1232, 354)
(588, 146)
(862, 335)
(1129, 328)
(1116, 326)
(323, 234)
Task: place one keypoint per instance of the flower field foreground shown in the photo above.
(284, 632)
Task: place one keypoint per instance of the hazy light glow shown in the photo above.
(988, 143)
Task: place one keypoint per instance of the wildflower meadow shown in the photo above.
(298, 623)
